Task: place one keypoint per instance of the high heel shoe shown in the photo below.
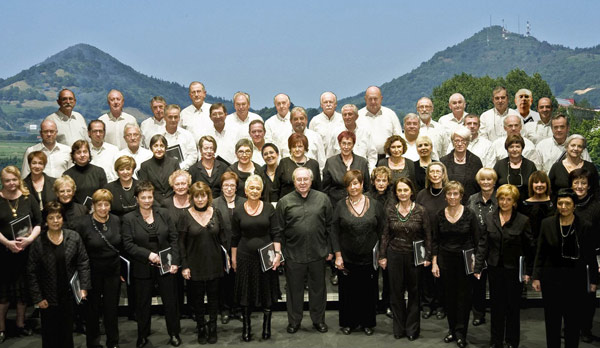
(2, 336)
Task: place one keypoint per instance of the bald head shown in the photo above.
(456, 103)
(512, 125)
(282, 104)
(544, 108)
(373, 99)
(48, 132)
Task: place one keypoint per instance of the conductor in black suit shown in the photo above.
(147, 231)
(505, 239)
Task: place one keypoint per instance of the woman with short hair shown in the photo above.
(208, 169)
(158, 168)
(244, 166)
(515, 169)
(462, 165)
(87, 176)
(298, 146)
(122, 189)
(395, 147)
(37, 182)
(270, 153)
(64, 189)
(539, 205)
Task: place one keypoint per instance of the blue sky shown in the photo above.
(301, 48)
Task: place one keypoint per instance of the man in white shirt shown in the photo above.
(224, 136)
(523, 100)
(412, 125)
(492, 120)
(103, 154)
(364, 145)
(553, 149)
(257, 134)
(156, 124)
(379, 118)
(196, 117)
(479, 146)
(457, 105)
(435, 131)
(513, 126)
(241, 118)
(59, 155)
(278, 127)
(70, 124)
(133, 137)
(327, 119)
(316, 150)
(179, 137)
(115, 120)
(537, 131)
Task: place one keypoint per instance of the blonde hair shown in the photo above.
(16, 172)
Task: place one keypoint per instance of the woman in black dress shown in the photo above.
(88, 177)
(158, 168)
(462, 165)
(253, 226)
(270, 153)
(395, 147)
(208, 169)
(146, 232)
(455, 231)
(337, 166)
(515, 169)
(201, 233)
(539, 205)
(101, 236)
(54, 259)
(244, 167)
(565, 270)
(506, 244)
(122, 189)
(64, 189)
(16, 203)
(406, 223)
(424, 149)
(38, 183)
(298, 146)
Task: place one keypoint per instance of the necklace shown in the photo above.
(95, 224)
(458, 212)
(13, 208)
(356, 202)
(433, 194)
(568, 231)
(412, 205)
(56, 241)
(460, 160)
(352, 204)
(247, 206)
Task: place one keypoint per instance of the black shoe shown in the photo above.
(587, 337)
(389, 313)
(292, 329)
(175, 341)
(399, 336)
(449, 338)
(440, 315)
(509, 345)
(413, 337)
(477, 322)
(212, 332)
(225, 318)
(202, 337)
(2, 336)
(246, 324)
(115, 346)
(321, 327)
(141, 341)
(426, 314)
(267, 314)
(334, 279)
(368, 331)
(461, 343)
(346, 330)
(24, 331)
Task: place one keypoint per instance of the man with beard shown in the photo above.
(432, 129)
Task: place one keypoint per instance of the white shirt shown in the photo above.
(529, 151)
(114, 128)
(537, 131)
(323, 125)
(239, 127)
(196, 120)
(364, 145)
(186, 142)
(141, 156)
(449, 122)
(316, 150)
(225, 142)
(482, 148)
(69, 128)
(257, 156)
(104, 157)
(440, 139)
(411, 151)
(384, 124)
(492, 123)
(149, 128)
(277, 131)
(550, 152)
(59, 159)
(532, 116)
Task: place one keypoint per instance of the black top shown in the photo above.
(123, 200)
(333, 176)
(199, 173)
(42, 274)
(433, 200)
(482, 209)
(174, 212)
(46, 195)
(464, 173)
(251, 233)
(284, 184)
(242, 176)
(399, 235)
(536, 211)
(62, 292)
(201, 246)
(73, 211)
(559, 178)
(588, 209)
(269, 194)
(305, 226)
(88, 179)
(420, 173)
(157, 171)
(518, 177)
(454, 237)
(227, 214)
(408, 171)
(26, 205)
(381, 198)
(104, 260)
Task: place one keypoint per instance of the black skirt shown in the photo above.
(253, 287)
(13, 283)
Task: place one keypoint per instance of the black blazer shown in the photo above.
(137, 244)
(199, 173)
(47, 190)
(502, 245)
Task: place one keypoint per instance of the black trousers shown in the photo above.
(104, 295)
(385, 292)
(432, 296)
(295, 274)
(404, 276)
(357, 296)
(588, 310)
(196, 291)
(458, 292)
(168, 293)
(479, 288)
(57, 326)
(226, 286)
(505, 299)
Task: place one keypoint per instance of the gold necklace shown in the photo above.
(56, 241)
(13, 208)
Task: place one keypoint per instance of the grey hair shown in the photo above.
(576, 136)
(300, 169)
(462, 132)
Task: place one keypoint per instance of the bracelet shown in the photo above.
(278, 252)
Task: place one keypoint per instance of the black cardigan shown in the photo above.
(471, 167)
(47, 190)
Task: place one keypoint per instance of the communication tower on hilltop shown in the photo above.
(528, 32)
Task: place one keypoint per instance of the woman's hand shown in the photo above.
(43, 304)
(173, 269)
(276, 261)
(593, 287)
(24, 241)
(153, 257)
(14, 246)
(435, 270)
(339, 262)
(234, 263)
(426, 263)
(526, 279)
(83, 294)
(536, 285)
(383, 263)
(477, 275)
(187, 275)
